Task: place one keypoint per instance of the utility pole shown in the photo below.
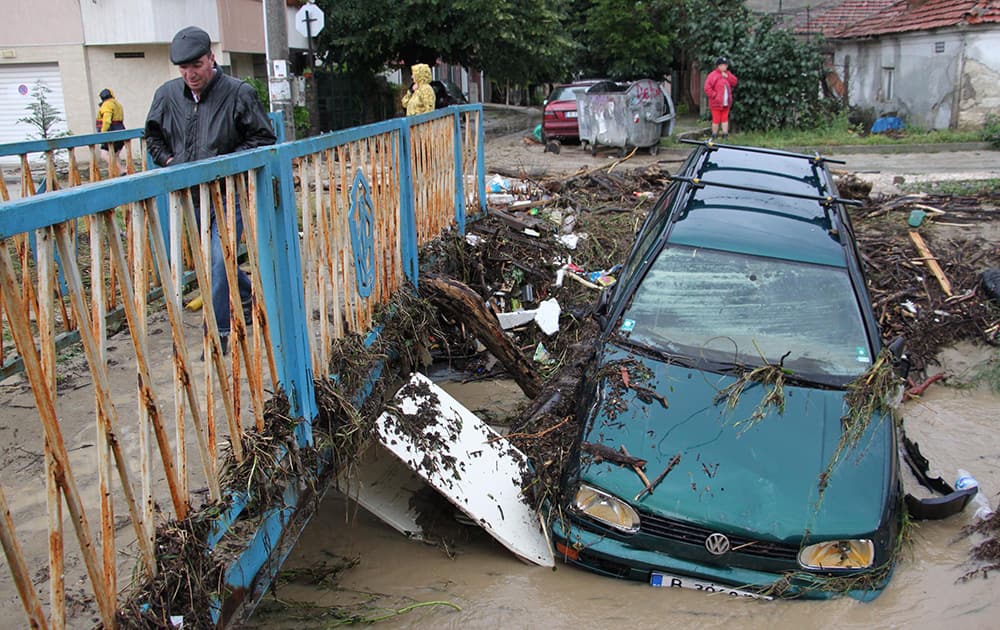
(279, 84)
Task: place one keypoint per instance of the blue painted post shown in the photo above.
(281, 276)
(278, 122)
(407, 217)
(459, 174)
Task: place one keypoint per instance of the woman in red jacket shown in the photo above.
(719, 89)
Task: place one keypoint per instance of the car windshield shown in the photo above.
(567, 93)
(735, 309)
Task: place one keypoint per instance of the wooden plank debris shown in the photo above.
(932, 262)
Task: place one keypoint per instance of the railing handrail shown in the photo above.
(68, 142)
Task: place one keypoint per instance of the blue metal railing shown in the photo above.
(276, 215)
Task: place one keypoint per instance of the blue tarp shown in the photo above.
(887, 123)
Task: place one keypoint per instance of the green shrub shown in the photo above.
(261, 88)
(991, 131)
(301, 118)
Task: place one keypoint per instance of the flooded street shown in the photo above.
(350, 567)
(955, 428)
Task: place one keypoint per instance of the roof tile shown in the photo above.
(829, 18)
(922, 15)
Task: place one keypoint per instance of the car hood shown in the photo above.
(760, 480)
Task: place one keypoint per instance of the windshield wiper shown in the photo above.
(673, 358)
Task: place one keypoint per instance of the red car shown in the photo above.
(559, 112)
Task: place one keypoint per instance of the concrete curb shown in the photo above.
(846, 149)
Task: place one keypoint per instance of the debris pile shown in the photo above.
(543, 254)
(925, 281)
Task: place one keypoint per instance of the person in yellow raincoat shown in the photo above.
(419, 99)
(110, 117)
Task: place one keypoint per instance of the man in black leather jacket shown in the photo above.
(203, 114)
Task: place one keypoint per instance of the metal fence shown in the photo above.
(331, 229)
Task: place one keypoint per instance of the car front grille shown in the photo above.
(680, 531)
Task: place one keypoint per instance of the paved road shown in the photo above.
(512, 156)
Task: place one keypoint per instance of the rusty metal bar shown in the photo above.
(137, 329)
(53, 498)
(104, 466)
(173, 299)
(226, 224)
(262, 333)
(98, 372)
(18, 568)
(205, 291)
(134, 304)
(208, 315)
(181, 358)
(21, 331)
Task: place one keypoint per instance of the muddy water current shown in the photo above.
(956, 428)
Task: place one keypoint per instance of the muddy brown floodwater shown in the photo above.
(956, 428)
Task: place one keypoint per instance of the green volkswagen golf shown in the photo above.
(712, 453)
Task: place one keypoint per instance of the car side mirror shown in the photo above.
(900, 362)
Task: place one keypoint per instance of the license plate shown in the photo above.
(666, 580)
(570, 114)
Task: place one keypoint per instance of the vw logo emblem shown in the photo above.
(717, 544)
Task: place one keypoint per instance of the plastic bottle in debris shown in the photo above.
(966, 480)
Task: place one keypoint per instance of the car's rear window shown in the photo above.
(725, 307)
(567, 93)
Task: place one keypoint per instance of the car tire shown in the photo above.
(545, 137)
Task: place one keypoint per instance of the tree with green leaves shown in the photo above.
(369, 35)
(629, 39)
(527, 44)
(520, 40)
(780, 74)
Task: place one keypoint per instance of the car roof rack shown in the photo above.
(824, 200)
(815, 158)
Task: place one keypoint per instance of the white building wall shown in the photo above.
(927, 78)
(980, 79)
(50, 23)
(144, 21)
(133, 80)
(927, 67)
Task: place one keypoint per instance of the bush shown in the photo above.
(301, 117)
(991, 130)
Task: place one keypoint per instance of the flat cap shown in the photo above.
(188, 44)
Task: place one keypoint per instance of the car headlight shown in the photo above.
(838, 554)
(607, 509)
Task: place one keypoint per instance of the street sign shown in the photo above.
(310, 15)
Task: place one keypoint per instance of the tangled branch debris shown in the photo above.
(771, 378)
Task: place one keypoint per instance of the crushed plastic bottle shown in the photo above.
(966, 480)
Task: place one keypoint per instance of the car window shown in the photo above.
(725, 307)
(650, 230)
(567, 93)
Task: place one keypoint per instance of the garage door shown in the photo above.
(17, 82)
